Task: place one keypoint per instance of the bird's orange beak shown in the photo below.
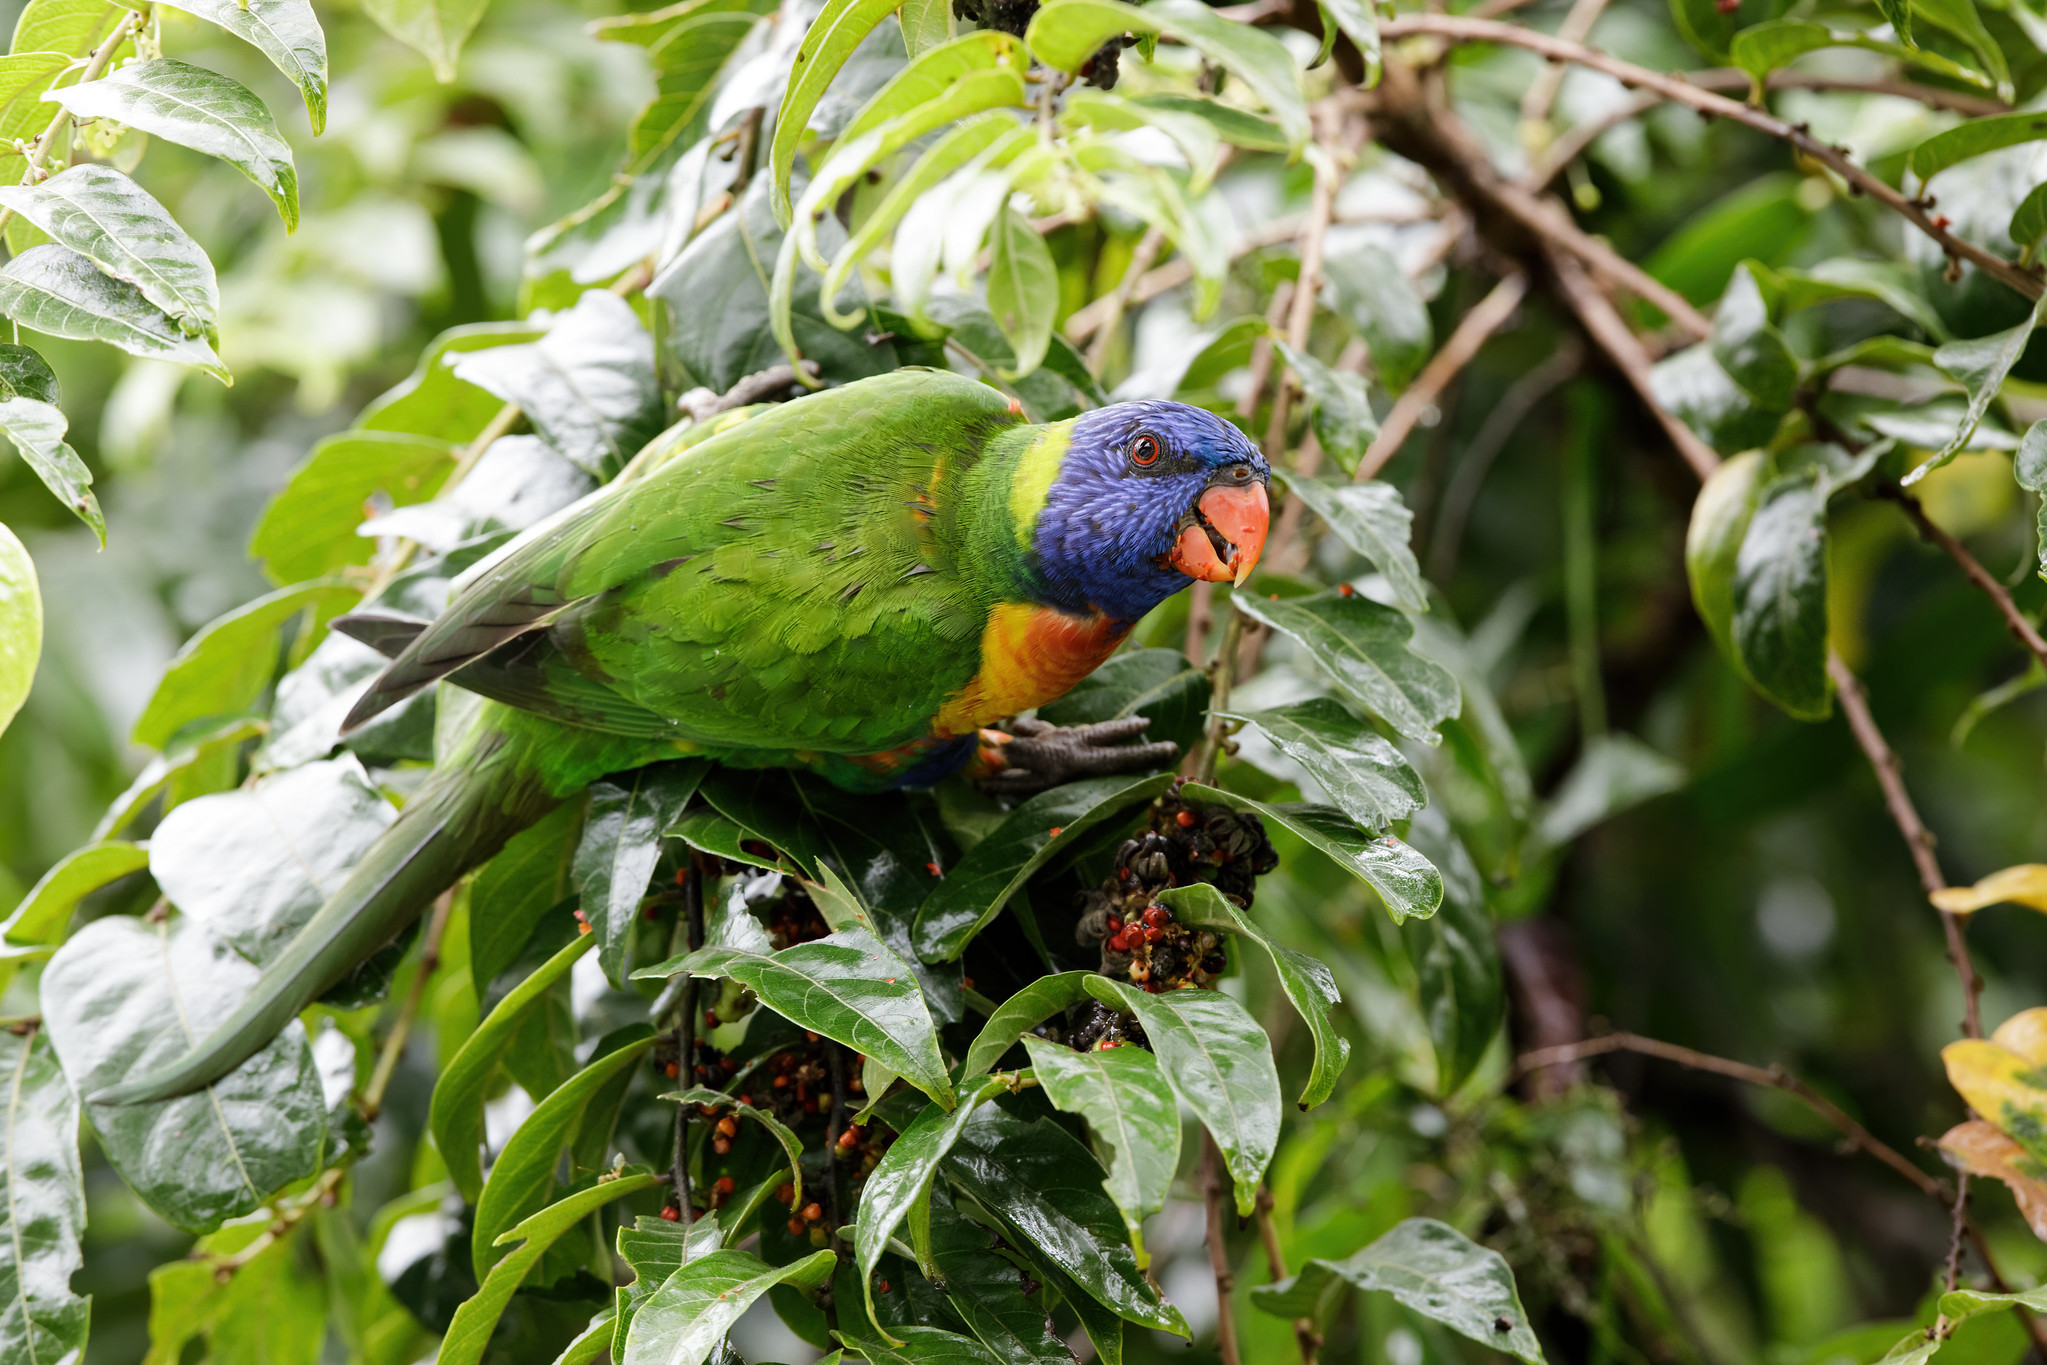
(1240, 517)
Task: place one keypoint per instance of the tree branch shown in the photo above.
(1474, 329)
(1456, 28)
(401, 1028)
(1305, 1335)
(2015, 620)
(1219, 1254)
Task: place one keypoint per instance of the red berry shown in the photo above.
(1115, 924)
(1346, 590)
(672, 1213)
(724, 1185)
(1186, 819)
(933, 869)
(721, 1145)
(795, 1227)
(1156, 915)
(673, 1070)
(785, 1193)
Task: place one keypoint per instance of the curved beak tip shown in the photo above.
(1239, 518)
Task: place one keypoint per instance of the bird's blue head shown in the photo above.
(1146, 498)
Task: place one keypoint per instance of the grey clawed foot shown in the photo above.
(1041, 756)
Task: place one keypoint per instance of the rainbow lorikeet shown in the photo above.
(856, 582)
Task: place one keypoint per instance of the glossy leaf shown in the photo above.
(1780, 596)
(1308, 983)
(973, 892)
(2029, 467)
(792, 1146)
(46, 909)
(436, 29)
(308, 528)
(920, 1346)
(2029, 222)
(1023, 289)
(1981, 366)
(195, 108)
(225, 667)
(469, 1334)
(848, 986)
(1158, 684)
(1748, 345)
(1361, 771)
(655, 1249)
(1456, 958)
(1429, 1267)
(621, 843)
(684, 1321)
(125, 997)
(724, 836)
(1616, 772)
(57, 291)
(456, 1115)
(21, 627)
(1009, 1021)
(32, 421)
(930, 74)
(1693, 387)
(587, 386)
(1343, 421)
(1364, 648)
(1893, 285)
(1973, 137)
(522, 1179)
(511, 893)
(42, 1203)
(984, 1288)
(1219, 1062)
(903, 1177)
(1762, 48)
(110, 220)
(254, 864)
(1374, 293)
(285, 31)
(1406, 883)
(838, 29)
(1720, 521)
(1131, 1113)
(1046, 1189)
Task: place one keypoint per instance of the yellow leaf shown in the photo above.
(2025, 884)
(1980, 1149)
(2026, 1034)
(2002, 1087)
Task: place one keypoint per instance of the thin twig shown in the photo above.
(1219, 1254)
(1457, 28)
(1918, 839)
(1221, 674)
(1957, 1227)
(401, 1028)
(1305, 1335)
(686, 1038)
(1476, 327)
(1774, 1077)
(1597, 315)
(1118, 299)
(1542, 91)
(2015, 620)
(1308, 286)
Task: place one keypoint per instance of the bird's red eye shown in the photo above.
(1144, 450)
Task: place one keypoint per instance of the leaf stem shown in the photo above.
(394, 1045)
(686, 1037)
(1305, 1335)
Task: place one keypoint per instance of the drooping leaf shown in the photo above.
(110, 220)
(2029, 222)
(1761, 48)
(1158, 684)
(1364, 647)
(1023, 289)
(42, 1203)
(683, 1322)
(46, 909)
(983, 1286)
(656, 1248)
(1306, 981)
(1219, 1062)
(847, 986)
(1018, 1015)
(308, 528)
(1431, 1268)
(1693, 387)
(1981, 366)
(2025, 884)
(32, 421)
(285, 31)
(512, 893)
(1780, 595)
(1456, 958)
(476, 1319)
(1748, 345)
(1893, 285)
(1132, 1114)
(254, 864)
(620, 845)
(436, 29)
(792, 1146)
(974, 892)
(1345, 425)
(522, 1179)
(456, 1115)
(838, 29)
(587, 386)
(903, 1176)
(1406, 883)
(195, 108)
(1378, 299)
(2029, 467)
(919, 1346)
(930, 74)
(1362, 772)
(1720, 520)
(124, 998)
(1046, 1190)
(21, 626)
(55, 290)
(1355, 19)
(223, 669)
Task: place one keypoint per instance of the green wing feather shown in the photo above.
(816, 578)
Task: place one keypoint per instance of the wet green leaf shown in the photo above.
(792, 1146)
(847, 986)
(195, 108)
(1456, 959)
(223, 669)
(1219, 1062)
(1407, 885)
(1019, 1014)
(456, 1115)
(1693, 387)
(2029, 467)
(838, 29)
(46, 910)
(1364, 647)
(1132, 1115)
(1431, 1268)
(974, 891)
(55, 290)
(1981, 366)
(285, 31)
(1374, 293)
(1780, 595)
(1363, 773)
(308, 529)
(110, 220)
(1343, 421)
(436, 29)
(921, 1346)
(42, 1203)
(125, 997)
(1720, 519)
(1370, 518)
(1023, 289)
(32, 421)
(621, 843)
(684, 1321)
(985, 1289)
(1748, 346)
(656, 1248)
(21, 626)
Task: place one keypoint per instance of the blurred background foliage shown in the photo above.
(1760, 908)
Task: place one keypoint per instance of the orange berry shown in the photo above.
(933, 869)
(724, 1185)
(584, 927)
(812, 1212)
(721, 1145)
(795, 1227)
(729, 1126)
(1185, 819)
(1056, 829)
(785, 1193)
(673, 1070)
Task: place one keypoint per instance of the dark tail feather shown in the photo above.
(388, 635)
(459, 819)
(446, 645)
